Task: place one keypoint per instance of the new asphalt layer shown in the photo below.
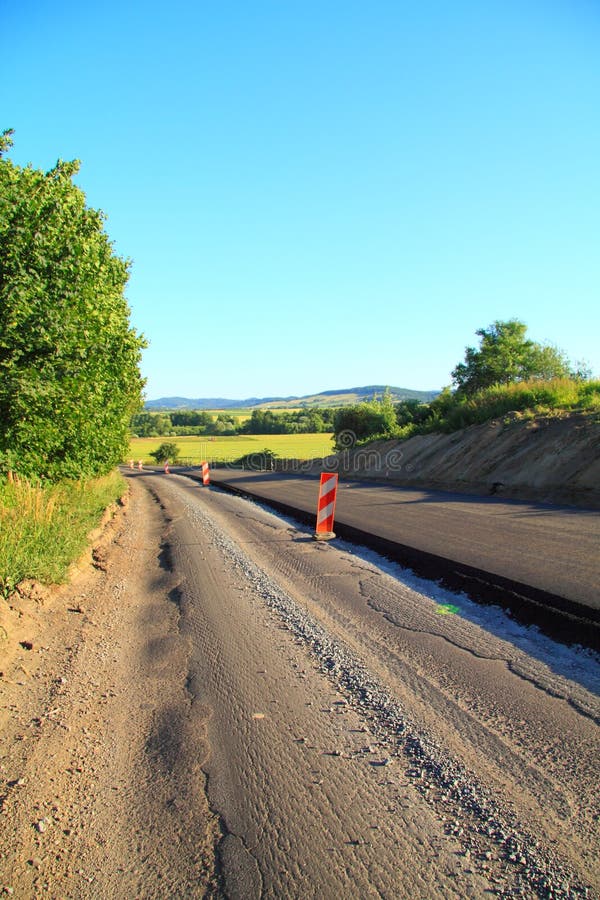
(542, 562)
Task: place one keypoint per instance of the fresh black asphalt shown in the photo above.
(540, 561)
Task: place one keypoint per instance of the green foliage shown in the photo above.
(264, 421)
(589, 395)
(412, 412)
(146, 424)
(197, 422)
(257, 461)
(69, 360)
(505, 355)
(451, 411)
(190, 417)
(167, 452)
(43, 529)
(365, 421)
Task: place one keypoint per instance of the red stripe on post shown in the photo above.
(205, 473)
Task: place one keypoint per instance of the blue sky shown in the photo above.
(319, 195)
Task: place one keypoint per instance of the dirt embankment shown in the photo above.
(553, 459)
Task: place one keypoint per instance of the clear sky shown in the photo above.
(329, 194)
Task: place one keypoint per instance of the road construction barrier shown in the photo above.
(205, 474)
(326, 506)
(167, 470)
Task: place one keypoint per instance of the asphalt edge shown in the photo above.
(560, 618)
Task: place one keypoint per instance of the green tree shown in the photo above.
(192, 417)
(149, 424)
(69, 359)
(354, 424)
(412, 412)
(167, 452)
(505, 355)
(263, 421)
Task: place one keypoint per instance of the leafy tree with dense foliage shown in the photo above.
(69, 359)
(167, 452)
(149, 424)
(193, 417)
(364, 421)
(412, 412)
(505, 356)
(265, 421)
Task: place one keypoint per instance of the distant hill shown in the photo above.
(342, 397)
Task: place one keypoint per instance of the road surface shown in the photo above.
(354, 736)
(550, 555)
(363, 744)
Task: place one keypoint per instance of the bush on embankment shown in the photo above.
(451, 412)
(45, 528)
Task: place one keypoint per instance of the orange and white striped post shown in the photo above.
(326, 506)
(167, 470)
(205, 474)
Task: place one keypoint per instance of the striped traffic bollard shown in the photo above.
(326, 507)
(167, 470)
(205, 474)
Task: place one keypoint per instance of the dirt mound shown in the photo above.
(554, 459)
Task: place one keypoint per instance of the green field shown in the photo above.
(194, 450)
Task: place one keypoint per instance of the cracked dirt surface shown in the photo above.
(240, 711)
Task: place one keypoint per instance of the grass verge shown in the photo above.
(521, 400)
(43, 529)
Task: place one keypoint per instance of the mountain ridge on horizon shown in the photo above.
(341, 397)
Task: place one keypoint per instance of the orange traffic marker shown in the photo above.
(326, 506)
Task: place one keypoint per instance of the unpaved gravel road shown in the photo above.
(224, 707)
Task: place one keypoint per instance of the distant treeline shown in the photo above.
(507, 374)
(262, 421)
(384, 419)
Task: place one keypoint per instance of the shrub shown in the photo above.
(167, 452)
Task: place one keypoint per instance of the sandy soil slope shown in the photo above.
(552, 459)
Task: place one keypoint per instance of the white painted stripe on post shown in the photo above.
(328, 487)
(325, 512)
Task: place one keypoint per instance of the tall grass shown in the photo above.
(44, 528)
(536, 397)
(451, 412)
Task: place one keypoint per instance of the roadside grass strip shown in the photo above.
(45, 528)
